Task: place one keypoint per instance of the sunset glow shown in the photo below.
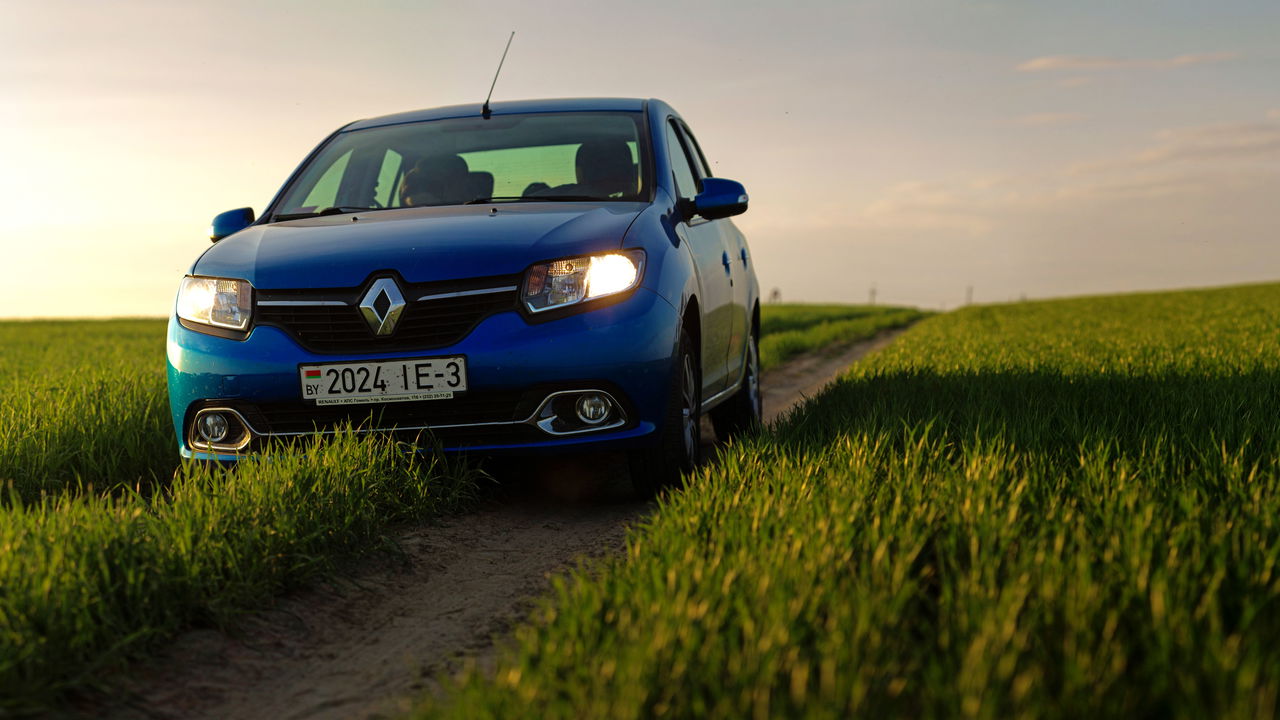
(918, 148)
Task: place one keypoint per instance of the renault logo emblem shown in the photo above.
(382, 305)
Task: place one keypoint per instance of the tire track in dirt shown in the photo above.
(370, 645)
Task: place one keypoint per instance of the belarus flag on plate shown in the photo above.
(313, 374)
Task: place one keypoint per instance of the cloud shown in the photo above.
(1048, 119)
(1254, 141)
(1257, 142)
(1086, 63)
(1135, 187)
(1176, 169)
(921, 205)
(1190, 206)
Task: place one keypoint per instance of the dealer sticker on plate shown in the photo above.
(386, 381)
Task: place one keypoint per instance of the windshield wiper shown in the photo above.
(534, 198)
(336, 210)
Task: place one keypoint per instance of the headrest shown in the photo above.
(480, 184)
(604, 167)
(442, 179)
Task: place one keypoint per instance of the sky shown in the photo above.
(924, 150)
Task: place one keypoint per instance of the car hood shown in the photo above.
(422, 244)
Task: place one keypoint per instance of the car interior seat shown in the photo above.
(604, 168)
(479, 184)
(535, 188)
(439, 180)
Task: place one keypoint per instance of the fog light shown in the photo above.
(213, 427)
(592, 409)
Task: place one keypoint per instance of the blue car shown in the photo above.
(534, 277)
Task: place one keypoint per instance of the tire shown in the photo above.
(743, 413)
(679, 438)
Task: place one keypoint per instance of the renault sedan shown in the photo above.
(538, 277)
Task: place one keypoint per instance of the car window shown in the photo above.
(686, 185)
(699, 160)
(324, 189)
(516, 169)
(581, 155)
(389, 178)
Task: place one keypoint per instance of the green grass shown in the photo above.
(1044, 510)
(83, 402)
(102, 555)
(790, 330)
(87, 581)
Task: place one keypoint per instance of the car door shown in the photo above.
(703, 239)
(734, 247)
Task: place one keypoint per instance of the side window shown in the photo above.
(686, 185)
(360, 178)
(325, 191)
(388, 179)
(699, 160)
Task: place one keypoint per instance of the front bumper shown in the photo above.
(625, 349)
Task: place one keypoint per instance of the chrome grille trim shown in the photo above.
(465, 293)
(535, 419)
(304, 303)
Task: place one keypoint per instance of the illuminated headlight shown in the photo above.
(574, 280)
(216, 301)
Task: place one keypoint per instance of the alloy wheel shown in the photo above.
(753, 378)
(688, 409)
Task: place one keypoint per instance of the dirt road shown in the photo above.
(369, 647)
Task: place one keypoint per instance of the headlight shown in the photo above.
(573, 280)
(216, 301)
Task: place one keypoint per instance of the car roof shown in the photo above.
(509, 107)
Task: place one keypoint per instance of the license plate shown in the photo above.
(385, 381)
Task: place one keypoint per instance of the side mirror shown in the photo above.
(720, 198)
(229, 222)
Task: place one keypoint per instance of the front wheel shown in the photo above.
(679, 437)
(743, 413)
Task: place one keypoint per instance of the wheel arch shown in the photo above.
(691, 321)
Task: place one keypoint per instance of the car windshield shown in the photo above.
(506, 158)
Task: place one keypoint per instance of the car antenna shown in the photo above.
(484, 111)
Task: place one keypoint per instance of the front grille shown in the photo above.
(476, 406)
(492, 406)
(424, 324)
